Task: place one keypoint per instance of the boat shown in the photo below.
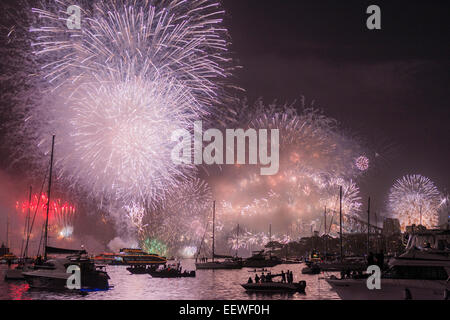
(421, 273)
(229, 262)
(172, 271)
(348, 263)
(139, 257)
(9, 258)
(136, 269)
(291, 261)
(275, 287)
(52, 274)
(312, 269)
(260, 259)
(129, 257)
(16, 273)
(260, 270)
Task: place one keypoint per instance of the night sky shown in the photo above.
(389, 85)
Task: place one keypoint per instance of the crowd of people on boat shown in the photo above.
(286, 277)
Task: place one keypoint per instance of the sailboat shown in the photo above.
(229, 262)
(51, 274)
(24, 263)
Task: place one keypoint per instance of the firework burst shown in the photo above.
(115, 90)
(414, 199)
(316, 158)
(61, 214)
(181, 219)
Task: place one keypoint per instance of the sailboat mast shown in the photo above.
(237, 240)
(214, 228)
(325, 230)
(7, 230)
(368, 227)
(340, 221)
(48, 200)
(270, 239)
(27, 224)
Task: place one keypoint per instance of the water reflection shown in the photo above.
(208, 285)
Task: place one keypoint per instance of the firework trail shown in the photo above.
(414, 199)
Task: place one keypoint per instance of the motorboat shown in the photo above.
(172, 273)
(421, 273)
(311, 269)
(138, 269)
(260, 259)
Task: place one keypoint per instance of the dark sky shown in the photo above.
(391, 83)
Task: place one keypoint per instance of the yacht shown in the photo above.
(421, 273)
(52, 274)
(227, 263)
(260, 259)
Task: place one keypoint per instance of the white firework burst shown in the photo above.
(414, 199)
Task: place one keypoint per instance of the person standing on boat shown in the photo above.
(256, 279)
(263, 278)
(283, 277)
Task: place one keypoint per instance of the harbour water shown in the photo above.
(207, 285)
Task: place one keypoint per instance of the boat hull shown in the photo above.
(138, 270)
(59, 281)
(338, 266)
(391, 289)
(275, 287)
(160, 274)
(260, 263)
(14, 274)
(218, 265)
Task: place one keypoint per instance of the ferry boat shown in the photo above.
(9, 257)
(127, 257)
